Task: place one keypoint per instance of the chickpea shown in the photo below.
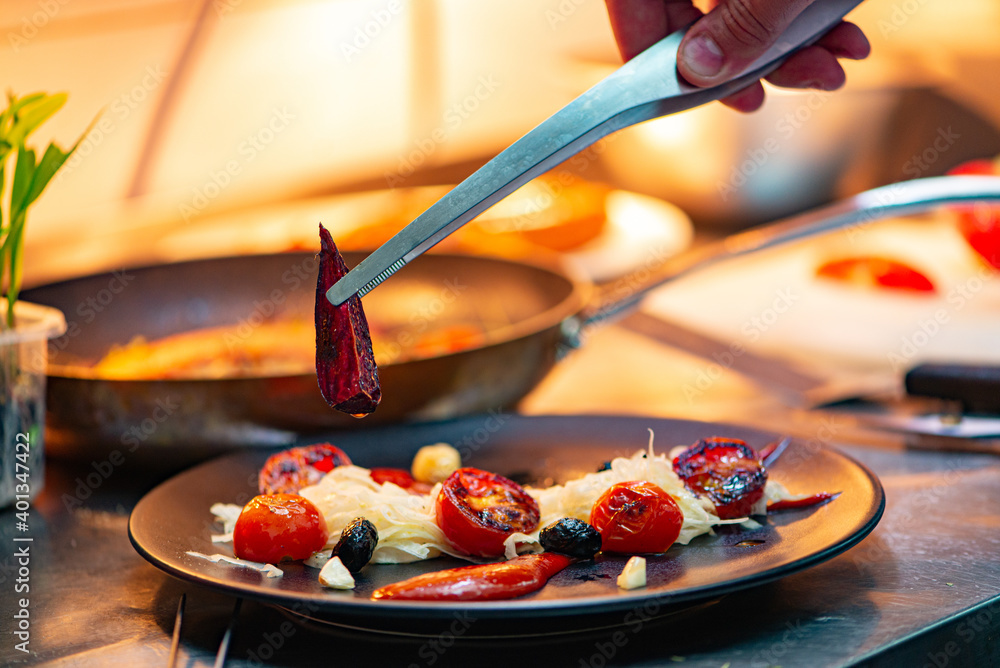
(434, 463)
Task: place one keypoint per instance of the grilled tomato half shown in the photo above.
(290, 470)
(478, 510)
(725, 470)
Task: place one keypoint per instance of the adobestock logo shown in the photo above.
(31, 25)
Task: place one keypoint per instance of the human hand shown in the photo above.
(730, 37)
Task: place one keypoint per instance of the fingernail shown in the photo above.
(703, 56)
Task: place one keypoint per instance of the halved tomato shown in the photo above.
(275, 527)
(400, 478)
(868, 271)
(477, 511)
(727, 471)
(290, 470)
(980, 224)
(636, 518)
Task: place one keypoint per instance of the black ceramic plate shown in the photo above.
(174, 518)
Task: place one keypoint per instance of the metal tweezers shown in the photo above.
(646, 87)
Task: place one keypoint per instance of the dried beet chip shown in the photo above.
(345, 362)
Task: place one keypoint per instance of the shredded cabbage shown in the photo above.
(227, 514)
(577, 497)
(407, 529)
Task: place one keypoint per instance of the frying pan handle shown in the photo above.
(615, 300)
(571, 332)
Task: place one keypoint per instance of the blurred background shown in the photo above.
(232, 127)
(201, 108)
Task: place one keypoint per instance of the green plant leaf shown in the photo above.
(6, 249)
(14, 106)
(19, 120)
(16, 253)
(8, 117)
(24, 172)
(3, 180)
(11, 264)
(51, 162)
(33, 115)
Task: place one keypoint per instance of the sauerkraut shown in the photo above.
(577, 497)
(407, 529)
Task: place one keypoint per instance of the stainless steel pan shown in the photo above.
(528, 314)
(521, 307)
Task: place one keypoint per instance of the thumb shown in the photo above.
(733, 35)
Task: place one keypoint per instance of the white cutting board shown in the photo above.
(774, 304)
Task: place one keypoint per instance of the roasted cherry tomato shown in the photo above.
(869, 271)
(276, 527)
(477, 510)
(980, 224)
(290, 470)
(400, 478)
(727, 471)
(636, 518)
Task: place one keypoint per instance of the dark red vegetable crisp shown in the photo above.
(345, 362)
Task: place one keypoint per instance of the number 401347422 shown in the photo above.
(22, 473)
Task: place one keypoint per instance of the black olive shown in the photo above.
(572, 537)
(357, 544)
(606, 466)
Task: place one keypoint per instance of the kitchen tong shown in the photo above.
(646, 87)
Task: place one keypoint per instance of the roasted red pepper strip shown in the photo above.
(345, 361)
(813, 500)
(484, 582)
(768, 450)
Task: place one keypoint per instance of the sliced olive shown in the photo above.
(357, 544)
(572, 537)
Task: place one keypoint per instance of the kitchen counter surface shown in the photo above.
(922, 590)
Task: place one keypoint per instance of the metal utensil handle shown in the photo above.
(898, 199)
(646, 87)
